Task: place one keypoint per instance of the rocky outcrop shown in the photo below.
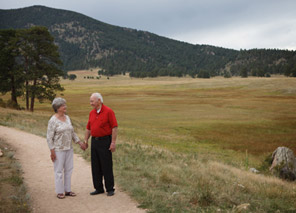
(284, 163)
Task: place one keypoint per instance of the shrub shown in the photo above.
(13, 105)
(72, 77)
(267, 75)
(227, 74)
(2, 103)
(203, 74)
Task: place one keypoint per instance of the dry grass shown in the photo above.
(168, 182)
(13, 193)
(176, 129)
(207, 115)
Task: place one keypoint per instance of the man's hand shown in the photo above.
(112, 147)
(53, 155)
(82, 145)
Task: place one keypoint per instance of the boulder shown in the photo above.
(284, 163)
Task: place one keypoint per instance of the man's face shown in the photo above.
(95, 102)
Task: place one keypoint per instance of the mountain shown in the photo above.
(87, 43)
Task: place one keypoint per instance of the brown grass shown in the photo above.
(174, 131)
(254, 114)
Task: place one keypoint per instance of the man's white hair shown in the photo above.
(98, 96)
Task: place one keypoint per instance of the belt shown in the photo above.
(102, 138)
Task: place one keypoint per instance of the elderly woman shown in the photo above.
(60, 134)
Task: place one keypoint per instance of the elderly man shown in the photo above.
(102, 126)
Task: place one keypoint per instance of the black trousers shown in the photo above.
(102, 164)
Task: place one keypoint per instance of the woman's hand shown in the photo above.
(53, 155)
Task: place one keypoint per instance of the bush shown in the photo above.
(244, 73)
(13, 105)
(227, 74)
(267, 75)
(203, 74)
(264, 168)
(72, 77)
(2, 103)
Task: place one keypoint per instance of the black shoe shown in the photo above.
(96, 192)
(110, 193)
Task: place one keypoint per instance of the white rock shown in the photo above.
(242, 207)
(254, 170)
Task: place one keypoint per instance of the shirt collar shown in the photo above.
(101, 109)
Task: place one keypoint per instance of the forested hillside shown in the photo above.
(87, 43)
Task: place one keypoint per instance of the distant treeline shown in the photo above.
(85, 43)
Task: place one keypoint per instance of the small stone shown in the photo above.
(254, 170)
(242, 207)
(240, 185)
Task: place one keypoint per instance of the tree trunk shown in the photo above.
(32, 103)
(27, 95)
(13, 91)
(27, 82)
(33, 96)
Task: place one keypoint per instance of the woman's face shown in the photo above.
(62, 109)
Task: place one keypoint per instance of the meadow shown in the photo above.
(184, 144)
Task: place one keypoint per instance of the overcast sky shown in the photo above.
(236, 24)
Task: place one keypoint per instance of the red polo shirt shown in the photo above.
(101, 124)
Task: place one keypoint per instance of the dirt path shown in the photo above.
(33, 153)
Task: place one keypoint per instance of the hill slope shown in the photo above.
(85, 42)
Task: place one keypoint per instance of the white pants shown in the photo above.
(63, 167)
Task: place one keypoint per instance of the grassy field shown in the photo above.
(174, 131)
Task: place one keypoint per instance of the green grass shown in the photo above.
(14, 197)
(173, 131)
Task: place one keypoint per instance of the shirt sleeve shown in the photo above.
(50, 134)
(112, 119)
(88, 123)
(75, 138)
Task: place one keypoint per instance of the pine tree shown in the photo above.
(11, 77)
(43, 71)
(29, 62)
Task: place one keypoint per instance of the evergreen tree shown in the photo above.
(244, 72)
(43, 71)
(29, 59)
(203, 74)
(11, 77)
